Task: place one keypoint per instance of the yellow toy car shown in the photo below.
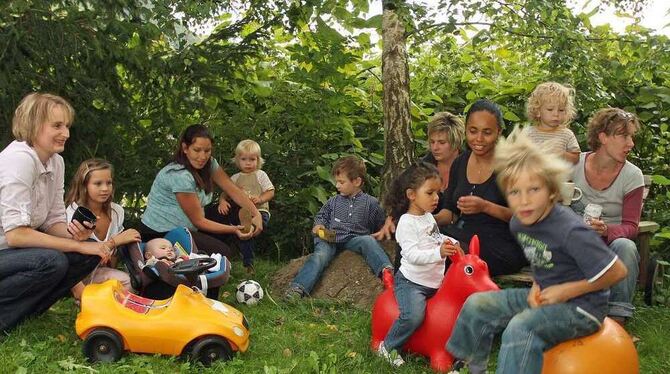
(113, 320)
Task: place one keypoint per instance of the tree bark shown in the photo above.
(398, 140)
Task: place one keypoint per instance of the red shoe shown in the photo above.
(387, 277)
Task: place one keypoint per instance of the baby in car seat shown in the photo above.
(161, 249)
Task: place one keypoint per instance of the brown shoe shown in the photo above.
(250, 269)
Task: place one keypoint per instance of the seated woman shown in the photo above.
(182, 189)
(606, 178)
(41, 255)
(473, 202)
(446, 133)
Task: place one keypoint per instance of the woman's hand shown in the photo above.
(243, 235)
(257, 224)
(386, 232)
(534, 296)
(599, 226)
(127, 237)
(101, 249)
(224, 206)
(80, 232)
(470, 204)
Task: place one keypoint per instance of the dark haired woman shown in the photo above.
(474, 204)
(184, 187)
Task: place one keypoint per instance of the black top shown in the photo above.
(429, 158)
(497, 246)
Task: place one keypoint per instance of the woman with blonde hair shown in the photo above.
(41, 255)
(609, 180)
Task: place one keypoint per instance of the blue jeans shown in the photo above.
(411, 298)
(247, 247)
(621, 294)
(324, 252)
(33, 279)
(526, 332)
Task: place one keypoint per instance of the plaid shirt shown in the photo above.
(351, 216)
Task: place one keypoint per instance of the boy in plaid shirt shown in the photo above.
(352, 215)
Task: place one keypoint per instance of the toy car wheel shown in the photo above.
(211, 348)
(103, 345)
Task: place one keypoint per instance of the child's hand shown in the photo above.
(471, 204)
(316, 228)
(224, 206)
(534, 296)
(556, 294)
(128, 236)
(79, 231)
(448, 248)
(255, 199)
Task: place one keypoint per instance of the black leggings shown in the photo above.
(204, 242)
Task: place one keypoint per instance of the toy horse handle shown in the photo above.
(473, 250)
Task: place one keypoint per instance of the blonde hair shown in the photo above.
(609, 121)
(563, 95)
(248, 146)
(78, 192)
(450, 124)
(34, 111)
(518, 153)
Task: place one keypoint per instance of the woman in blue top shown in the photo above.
(184, 186)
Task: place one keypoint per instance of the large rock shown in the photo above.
(348, 278)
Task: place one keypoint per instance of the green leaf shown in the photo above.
(319, 193)
(375, 22)
(510, 116)
(467, 76)
(660, 179)
(324, 173)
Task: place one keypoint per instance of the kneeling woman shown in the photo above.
(183, 187)
(41, 256)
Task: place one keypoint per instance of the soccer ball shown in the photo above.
(249, 292)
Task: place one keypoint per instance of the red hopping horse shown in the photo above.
(466, 275)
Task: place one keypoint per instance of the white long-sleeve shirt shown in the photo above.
(420, 240)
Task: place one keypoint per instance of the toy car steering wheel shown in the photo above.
(193, 266)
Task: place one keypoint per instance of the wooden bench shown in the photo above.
(646, 230)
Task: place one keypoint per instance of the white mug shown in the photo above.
(570, 193)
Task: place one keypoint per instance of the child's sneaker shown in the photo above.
(250, 269)
(393, 357)
(456, 367)
(387, 277)
(293, 294)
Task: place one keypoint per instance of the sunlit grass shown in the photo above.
(307, 336)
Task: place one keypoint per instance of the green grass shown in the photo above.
(304, 337)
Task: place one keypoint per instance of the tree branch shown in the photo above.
(522, 34)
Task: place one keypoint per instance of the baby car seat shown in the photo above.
(159, 281)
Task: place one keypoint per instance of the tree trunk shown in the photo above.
(398, 141)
